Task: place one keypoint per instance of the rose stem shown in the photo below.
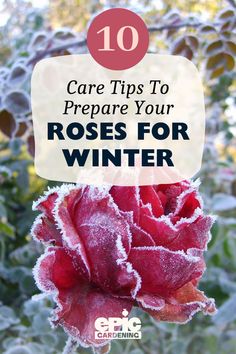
(70, 346)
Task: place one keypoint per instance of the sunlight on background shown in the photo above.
(4, 15)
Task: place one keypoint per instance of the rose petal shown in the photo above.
(81, 306)
(45, 230)
(103, 256)
(90, 220)
(64, 213)
(161, 230)
(97, 208)
(79, 302)
(46, 203)
(183, 304)
(187, 203)
(150, 302)
(164, 232)
(59, 268)
(127, 199)
(163, 271)
(194, 235)
(171, 192)
(140, 237)
(149, 195)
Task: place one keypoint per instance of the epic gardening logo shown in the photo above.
(118, 327)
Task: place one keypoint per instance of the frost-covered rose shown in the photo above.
(110, 249)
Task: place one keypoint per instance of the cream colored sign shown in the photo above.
(140, 126)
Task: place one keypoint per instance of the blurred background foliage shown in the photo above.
(202, 31)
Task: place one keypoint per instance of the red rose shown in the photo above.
(109, 249)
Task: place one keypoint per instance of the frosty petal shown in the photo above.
(64, 213)
(127, 199)
(79, 302)
(59, 268)
(149, 195)
(45, 230)
(103, 254)
(46, 203)
(140, 237)
(191, 232)
(81, 306)
(187, 203)
(161, 229)
(150, 302)
(163, 271)
(194, 235)
(90, 220)
(171, 193)
(183, 304)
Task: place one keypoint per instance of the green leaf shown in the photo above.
(3, 210)
(19, 349)
(214, 233)
(227, 286)
(227, 249)
(223, 202)
(226, 313)
(7, 317)
(40, 322)
(7, 229)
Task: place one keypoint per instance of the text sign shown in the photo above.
(141, 126)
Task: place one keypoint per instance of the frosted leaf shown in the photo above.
(4, 73)
(18, 349)
(223, 202)
(39, 41)
(226, 313)
(17, 102)
(17, 75)
(64, 35)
